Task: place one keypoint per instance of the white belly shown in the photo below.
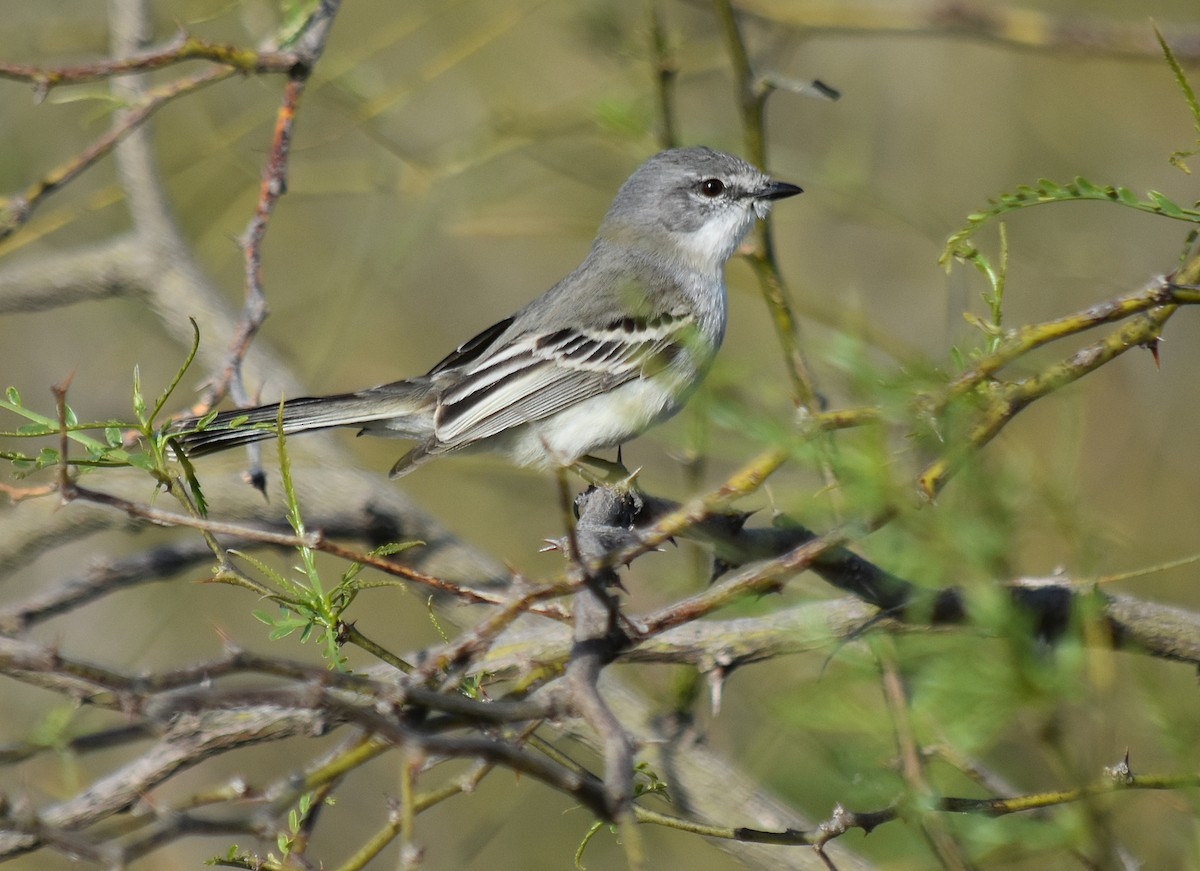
(595, 424)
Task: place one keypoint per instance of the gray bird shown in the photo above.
(614, 348)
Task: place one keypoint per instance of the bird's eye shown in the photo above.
(712, 187)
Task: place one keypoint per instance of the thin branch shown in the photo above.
(1161, 291)
(752, 91)
(1005, 402)
(912, 764)
(666, 70)
(15, 211)
(181, 49)
(741, 483)
(70, 491)
(1116, 778)
(309, 48)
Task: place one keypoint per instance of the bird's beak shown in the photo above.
(777, 190)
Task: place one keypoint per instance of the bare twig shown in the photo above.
(70, 491)
(184, 47)
(665, 71)
(752, 92)
(309, 48)
(15, 211)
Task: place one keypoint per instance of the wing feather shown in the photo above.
(540, 374)
(472, 349)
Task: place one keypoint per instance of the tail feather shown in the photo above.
(396, 410)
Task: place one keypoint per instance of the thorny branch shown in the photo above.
(598, 640)
(190, 720)
(309, 47)
(529, 602)
(768, 556)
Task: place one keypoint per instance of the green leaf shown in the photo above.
(395, 547)
(1180, 78)
(112, 435)
(141, 460)
(1166, 206)
(170, 388)
(959, 247)
(139, 401)
(189, 475)
(437, 625)
(591, 832)
(282, 631)
(279, 580)
(13, 396)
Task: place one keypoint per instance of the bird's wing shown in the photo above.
(471, 350)
(536, 375)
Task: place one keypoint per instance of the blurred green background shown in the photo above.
(452, 160)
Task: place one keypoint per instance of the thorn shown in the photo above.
(627, 482)
(826, 91)
(737, 519)
(1152, 346)
(629, 562)
(719, 567)
(1121, 772)
(64, 385)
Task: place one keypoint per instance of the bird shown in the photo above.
(615, 347)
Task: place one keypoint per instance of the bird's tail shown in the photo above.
(400, 410)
